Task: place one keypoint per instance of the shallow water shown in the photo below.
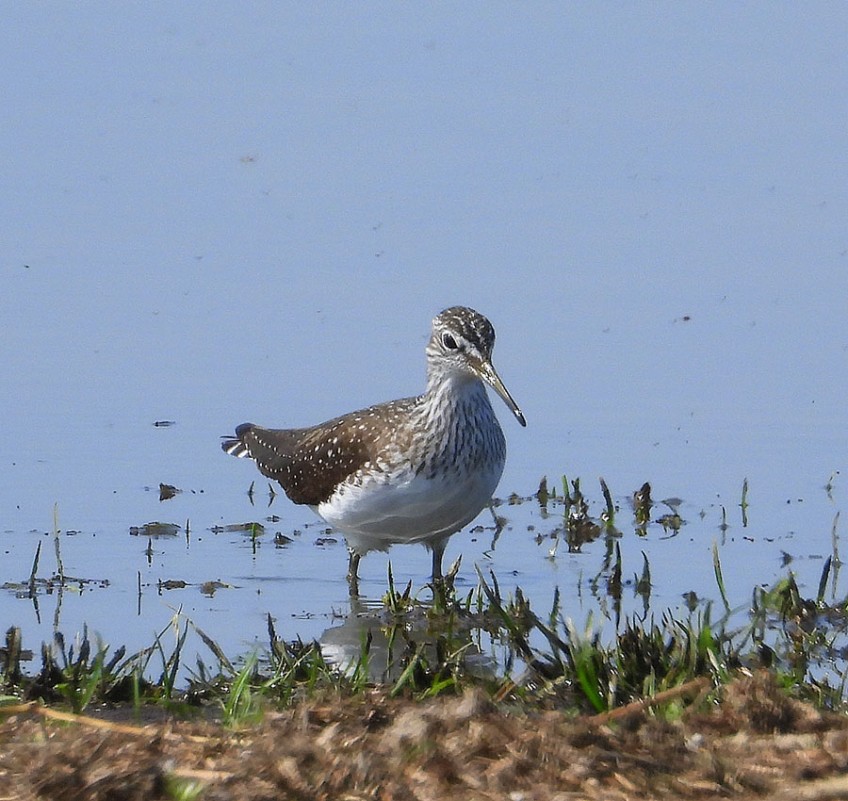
(253, 216)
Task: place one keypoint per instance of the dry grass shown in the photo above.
(756, 743)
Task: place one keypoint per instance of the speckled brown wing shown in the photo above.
(323, 459)
(309, 463)
(296, 458)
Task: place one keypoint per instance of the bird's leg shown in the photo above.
(353, 572)
(438, 549)
(442, 585)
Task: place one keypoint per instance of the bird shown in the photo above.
(414, 470)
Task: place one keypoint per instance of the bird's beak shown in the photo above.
(490, 376)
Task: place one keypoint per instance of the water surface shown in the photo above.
(254, 215)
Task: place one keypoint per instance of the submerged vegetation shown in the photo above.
(430, 649)
(449, 642)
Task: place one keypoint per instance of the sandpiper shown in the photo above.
(411, 470)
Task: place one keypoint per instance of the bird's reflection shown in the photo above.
(418, 643)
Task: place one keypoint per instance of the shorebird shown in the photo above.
(411, 470)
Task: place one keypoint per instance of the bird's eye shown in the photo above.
(449, 342)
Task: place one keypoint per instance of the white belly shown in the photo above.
(409, 508)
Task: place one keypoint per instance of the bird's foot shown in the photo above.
(444, 594)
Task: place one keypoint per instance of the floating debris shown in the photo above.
(167, 491)
(254, 529)
(209, 588)
(47, 586)
(155, 529)
(671, 523)
(171, 584)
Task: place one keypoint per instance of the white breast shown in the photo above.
(427, 488)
